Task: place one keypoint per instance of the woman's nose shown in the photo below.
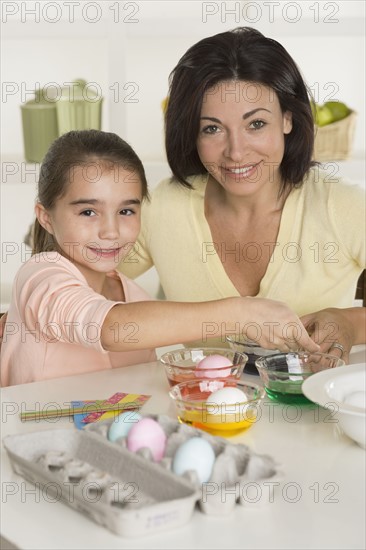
(236, 146)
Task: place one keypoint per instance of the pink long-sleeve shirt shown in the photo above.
(54, 324)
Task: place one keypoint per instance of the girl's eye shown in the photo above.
(87, 213)
(257, 124)
(127, 212)
(211, 129)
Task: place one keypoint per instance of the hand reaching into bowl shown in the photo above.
(277, 327)
(337, 330)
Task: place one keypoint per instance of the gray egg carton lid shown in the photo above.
(129, 493)
(110, 485)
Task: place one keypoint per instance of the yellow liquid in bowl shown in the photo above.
(215, 424)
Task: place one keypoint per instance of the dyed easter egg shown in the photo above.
(122, 424)
(194, 454)
(214, 361)
(147, 433)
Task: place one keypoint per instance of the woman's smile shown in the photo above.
(240, 172)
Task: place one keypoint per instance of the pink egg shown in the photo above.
(214, 362)
(147, 433)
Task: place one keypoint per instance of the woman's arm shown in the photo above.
(157, 324)
(136, 262)
(346, 327)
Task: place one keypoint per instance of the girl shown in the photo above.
(71, 311)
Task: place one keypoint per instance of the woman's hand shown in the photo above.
(335, 329)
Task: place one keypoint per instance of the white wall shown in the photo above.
(136, 53)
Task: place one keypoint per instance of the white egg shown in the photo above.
(194, 454)
(227, 400)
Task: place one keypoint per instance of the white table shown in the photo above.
(319, 505)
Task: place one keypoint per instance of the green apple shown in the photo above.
(313, 108)
(339, 110)
(323, 115)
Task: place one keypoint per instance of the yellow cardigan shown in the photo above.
(316, 264)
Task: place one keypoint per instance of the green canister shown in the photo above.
(39, 119)
(79, 107)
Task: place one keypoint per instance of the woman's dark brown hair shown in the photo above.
(241, 54)
(73, 149)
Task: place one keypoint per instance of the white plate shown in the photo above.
(329, 388)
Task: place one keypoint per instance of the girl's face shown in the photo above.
(241, 136)
(96, 222)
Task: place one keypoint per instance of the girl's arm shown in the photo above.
(2, 325)
(157, 324)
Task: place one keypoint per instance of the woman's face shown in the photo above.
(241, 136)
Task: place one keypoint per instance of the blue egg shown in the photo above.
(194, 454)
(122, 424)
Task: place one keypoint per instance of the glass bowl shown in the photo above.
(284, 373)
(251, 349)
(190, 398)
(181, 364)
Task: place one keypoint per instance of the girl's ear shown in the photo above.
(43, 217)
(287, 122)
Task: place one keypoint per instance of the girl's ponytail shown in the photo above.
(41, 239)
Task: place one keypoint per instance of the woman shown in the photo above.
(247, 211)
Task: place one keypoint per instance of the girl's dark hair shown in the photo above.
(240, 54)
(77, 148)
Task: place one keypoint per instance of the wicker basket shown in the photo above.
(334, 141)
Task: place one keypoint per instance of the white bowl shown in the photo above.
(343, 391)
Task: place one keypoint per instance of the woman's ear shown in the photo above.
(43, 217)
(287, 122)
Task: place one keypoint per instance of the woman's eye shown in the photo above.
(257, 124)
(87, 213)
(212, 129)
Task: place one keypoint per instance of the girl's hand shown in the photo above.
(276, 326)
(329, 327)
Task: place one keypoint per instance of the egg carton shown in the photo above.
(113, 487)
(129, 493)
(239, 475)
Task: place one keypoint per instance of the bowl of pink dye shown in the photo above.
(184, 364)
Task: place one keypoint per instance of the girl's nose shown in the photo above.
(108, 229)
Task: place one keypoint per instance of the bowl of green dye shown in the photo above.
(283, 374)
